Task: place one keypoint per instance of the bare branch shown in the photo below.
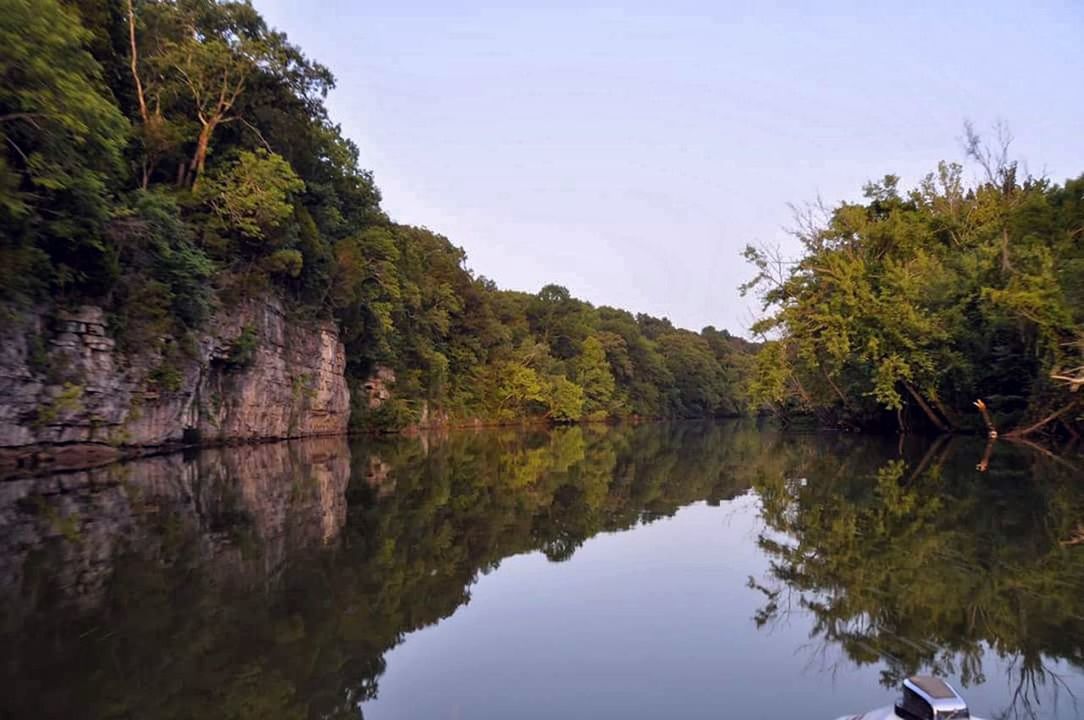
(1023, 432)
(29, 117)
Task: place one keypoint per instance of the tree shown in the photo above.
(517, 387)
(594, 376)
(906, 309)
(564, 400)
(698, 383)
(62, 142)
(253, 195)
(205, 55)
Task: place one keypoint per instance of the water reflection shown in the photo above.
(923, 564)
(271, 581)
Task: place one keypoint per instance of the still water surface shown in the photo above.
(685, 571)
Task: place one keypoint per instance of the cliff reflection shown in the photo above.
(213, 506)
(921, 563)
(270, 580)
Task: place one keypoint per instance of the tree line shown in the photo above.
(166, 158)
(951, 306)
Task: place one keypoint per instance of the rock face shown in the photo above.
(378, 386)
(251, 375)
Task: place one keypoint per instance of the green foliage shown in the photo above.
(202, 169)
(698, 387)
(906, 309)
(37, 356)
(242, 352)
(393, 414)
(286, 262)
(167, 377)
(251, 196)
(766, 384)
(565, 400)
(594, 376)
(62, 139)
(518, 388)
(67, 401)
(163, 288)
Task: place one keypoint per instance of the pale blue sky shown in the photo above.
(629, 151)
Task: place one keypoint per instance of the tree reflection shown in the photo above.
(208, 608)
(271, 581)
(918, 564)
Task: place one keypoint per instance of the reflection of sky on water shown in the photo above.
(652, 623)
(287, 580)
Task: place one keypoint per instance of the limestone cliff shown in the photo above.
(68, 395)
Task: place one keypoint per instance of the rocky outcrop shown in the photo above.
(253, 374)
(378, 386)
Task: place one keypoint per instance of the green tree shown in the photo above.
(203, 56)
(62, 140)
(517, 387)
(252, 196)
(906, 309)
(698, 384)
(594, 376)
(564, 400)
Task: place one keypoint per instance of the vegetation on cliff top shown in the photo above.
(166, 157)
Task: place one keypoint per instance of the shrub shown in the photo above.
(243, 350)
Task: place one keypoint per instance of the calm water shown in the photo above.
(685, 571)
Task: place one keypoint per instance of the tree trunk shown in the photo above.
(146, 178)
(926, 408)
(1006, 264)
(839, 393)
(991, 429)
(950, 417)
(1022, 432)
(135, 63)
(199, 158)
(984, 464)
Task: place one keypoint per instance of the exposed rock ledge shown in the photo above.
(68, 397)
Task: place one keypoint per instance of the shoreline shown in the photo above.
(41, 459)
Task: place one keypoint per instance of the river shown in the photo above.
(689, 570)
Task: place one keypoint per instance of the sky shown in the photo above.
(630, 151)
